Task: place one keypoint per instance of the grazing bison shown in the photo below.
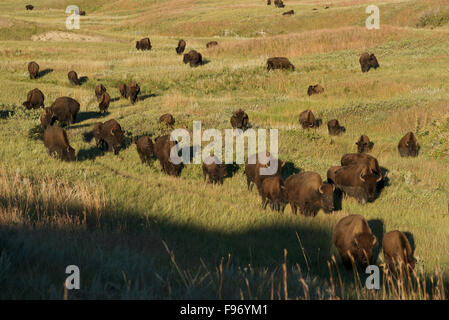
(368, 61)
(214, 169)
(354, 241)
(168, 119)
(33, 69)
(239, 120)
(194, 58)
(162, 149)
(307, 120)
(398, 252)
(63, 109)
(288, 13)
(105, 100)
(108, 135)
(273, 191)
(211, 44)
(408, 146)
(361, 158)
(253, 167)
(364, 144)
(123, 90)
(315, 89)
(99, 90)
(29, 7)
(132, 90)
(307, 192)
(334, 127)
(279, 63)
(55, 140)
(73, 78)
(35, 99)
(181, 46)
(143, 44)
(279, 4)
(357, 181)
(145, 148)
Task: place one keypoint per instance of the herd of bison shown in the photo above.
(359, 175)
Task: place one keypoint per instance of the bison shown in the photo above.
(29, 7)
(408, 146)
(181, 46)
(163, 147)
(211, 44)
(368, 61)
(398, 252)
(307, 192)
(35, 99)
(123, 90)
(334, 127)
(239, 120)
(33, 69)
(361, 158)
(253, 166)
(73, 78)
(364, 144)
(354, 240)
(105, 100)
(143, 44)
(108, 135)
(279, 4)
(357, 181)
(168, 119)
(82, 13)
(99, 90)
(132, 90)
(145, 148)
(273, 192)
(331, 174)
(55, 140)
(288, 13)
(279, 63)
(63, 109)
(307, 120)
(193, 57)
(214, 169)
(315, 89)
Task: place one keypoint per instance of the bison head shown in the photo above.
(363, 145)
(327, 197)
(186, 58)
(373, 61)
(370, 181)
(47, 118)
(362, 248)
(138, 45)
(413, 147)
(69, 154)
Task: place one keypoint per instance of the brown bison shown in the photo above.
(168, 119)
(362, 158)
(279, 4)
(29, 7)
(239, 120)
(181, 46)
(364, 144)
(132, 90)
(315, 89)
(143, 44)
(308, 120)
(163, 147)
(105, 100)
(99, 90)
(123, 90)
(273, 192)
(194, 58)
(307, 192)
(35, 99)
(82, 13)
(398, 252)
(331, 174)
(288, 13)
(73, 78)
(145, 149)
(334, 127)
(211, 44)
(279, 63)
(214, 169)
(55, 140)
(357, 181)
(408, 146)
(368, 61)
(33, 69)
(254, 164)
(108, 135)
(63, 109)
(354, 241)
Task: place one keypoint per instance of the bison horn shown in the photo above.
(112, 132)
(374, 240)
(356, 243)
(321, 190)
(378, 179)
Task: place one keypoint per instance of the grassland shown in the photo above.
(137, 233)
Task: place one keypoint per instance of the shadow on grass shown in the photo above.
(82, 80)
(44, 72)
(86, 115)
(89, 154)
(6, 114)
(146, 96)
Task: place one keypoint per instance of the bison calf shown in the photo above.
(35, 99)
(143, 44)
(108, 135)
(193, 57)
(307, 120)
(55, 140)
(239, 120)
(181, 46)
(211, 44)
(398, 252)
(368, 61)
(364, 144)
(315, 89)
(354, 240)
(273, 192)
(214, 169)
(279, 63)
(408, 146)
(334, 127)
(145, 149)
(261, 166)
(168, 119)
(33, 69)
